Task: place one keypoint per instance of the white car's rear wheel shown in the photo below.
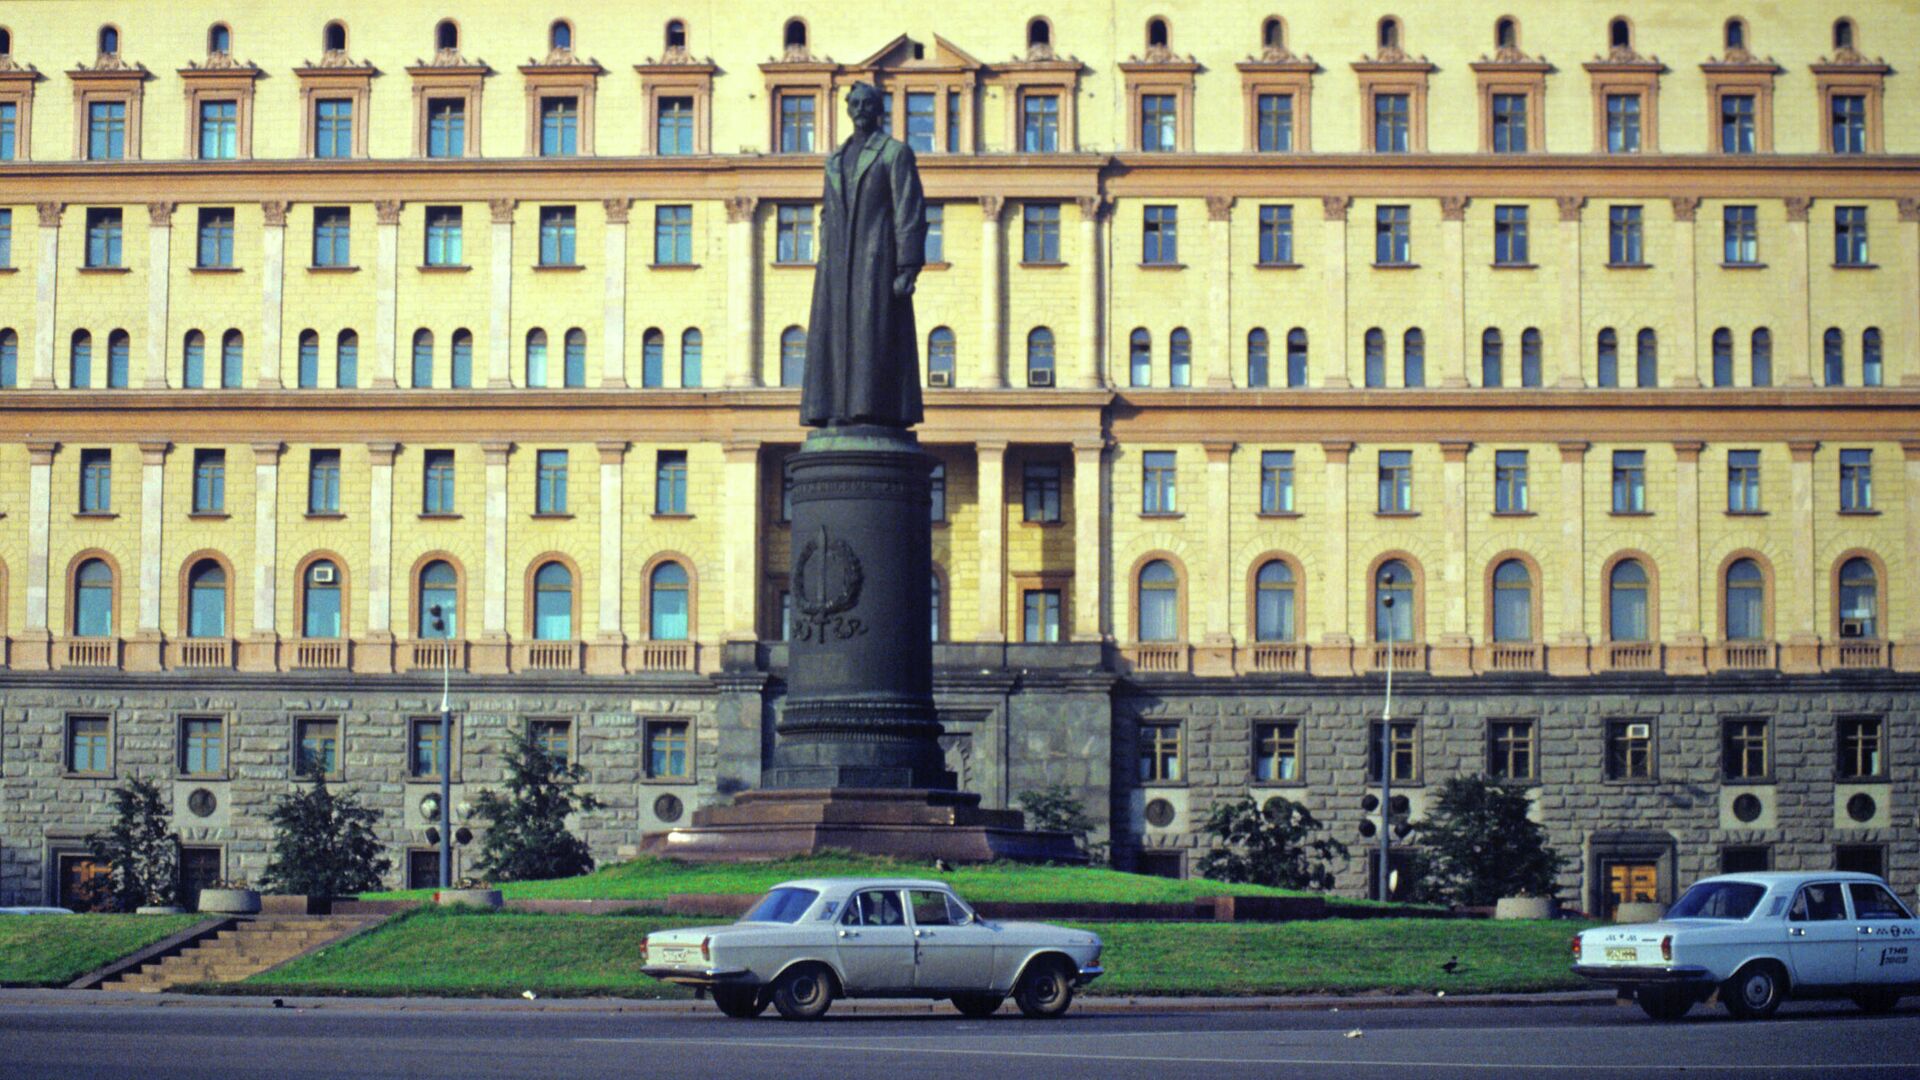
(1755, 991)
(803, 993)
(978, 1005)
(1876, 1001)
(741, 1002)
(1664, 1002)
(1045, 989)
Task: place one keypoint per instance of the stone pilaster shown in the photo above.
(46, 278)
(1570, 655)
(1569, 357)
(273, 274)
(1909, 210)
(143, 646)
(1089, 512)
(386, 296)
(1452, 341)
(1797, 332)
(743, 293)
(1091, 372)
(991, 458)
(258, 652)
(375, 653)
(32, 647)
(1334, 654)
(500, 281)
(1687, 653)
(490, 653)
(1906, 654)
(159, 280)
(1333, 354)
(1685, 364)
(613, 305)
(741, 551)
(1453, 653)
(993, 336)
(1214, 656)
(606, 651)
(1218, 348)
(1794, 598)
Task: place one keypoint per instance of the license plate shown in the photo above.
(679, 956)
(1622, 956)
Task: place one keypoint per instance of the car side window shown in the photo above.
(929, 908)
(1870, 901)
(875, 907)
(957, 912)
(1818, 903)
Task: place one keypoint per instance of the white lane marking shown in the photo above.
(817, 1044)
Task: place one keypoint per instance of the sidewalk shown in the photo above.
(107, 999)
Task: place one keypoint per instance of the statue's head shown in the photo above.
(863, 105)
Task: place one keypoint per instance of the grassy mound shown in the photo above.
(53, 950)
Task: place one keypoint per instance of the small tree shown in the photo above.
(1276, 845)
(140, 850)
(1054, 808)
(527, 835)
(1480, 845)
(323, 844)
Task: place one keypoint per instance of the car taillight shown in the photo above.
(1576, 946)
(706, 952)
(1666, 947)
(643, 950)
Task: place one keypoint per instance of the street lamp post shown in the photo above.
(1386, 748)
(445, 626)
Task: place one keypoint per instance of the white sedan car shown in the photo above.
(1758, 939)
(808, 942)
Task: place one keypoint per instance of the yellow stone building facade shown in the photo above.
(1597, 328)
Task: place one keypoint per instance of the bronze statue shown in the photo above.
(863, 357)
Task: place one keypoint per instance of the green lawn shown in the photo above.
(471, 953)
(654, 879)
(52, 950)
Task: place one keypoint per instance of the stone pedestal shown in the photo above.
(907, 824)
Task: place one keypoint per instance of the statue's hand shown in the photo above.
(903, 282)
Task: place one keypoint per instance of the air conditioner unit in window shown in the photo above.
(1853, 628)
(323, 575)
(1040, 377)
(939, 378)
(1639, 731)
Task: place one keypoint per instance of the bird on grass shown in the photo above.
(1452, 966)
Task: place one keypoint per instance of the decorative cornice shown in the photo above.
(381, 454)
(1334, 207)
(154, 451)
(1454, 207)
(451, 58)
(612, 451)
(268, 453)
(1219, 208)
(1685, 207)
(1096, 207)
(275, 212)
(1687, 451)
(1622, 56)
(221, 63)
(110, 63)
(1510, 56)
(1909, 209)
(1798, 206)
(741, 207)
(1849, 57)
(160, 214)
(50, 214)
(1739, 59)
(1570, 206)
(336, 60)
(387, 211)
(991, 205)
(562, 61)
(502, 210)
(617, 210)
(1393, 56)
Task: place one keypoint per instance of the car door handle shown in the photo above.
(1863, 929)
(921, 933)
(1795, 931)
(849, 933)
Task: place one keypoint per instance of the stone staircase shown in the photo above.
(248, 947)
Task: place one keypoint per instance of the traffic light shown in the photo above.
(438, 620)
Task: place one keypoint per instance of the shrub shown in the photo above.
(1271, 846)
(141, 852)
(323, 845)
(1054, 808)
(527, 837)
(1479, 845)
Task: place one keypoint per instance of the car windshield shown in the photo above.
(782, 905)
(1718, 900)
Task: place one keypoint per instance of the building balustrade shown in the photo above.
(200, 653)
(1274, 658)
(1157, 659)
(1855, 655)
(1631, 656)
(547, 656)
(87, 652)
(1407, 656)
(330, 654)
(1743, 656)
(661, 656)
(1509, 656)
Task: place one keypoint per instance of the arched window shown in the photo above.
(1296, 358)
(9, 355)
(439, 587)
(320, 600)
(1620, 34)
(346, 359)
(1257, 358)
(1512, 602)
(233, 360)
(1762, 361)
(1871, 373)
(1157, 35)
(653, 359)
(93, 599)
(1140, 359)
(1039, 32)
(109, 41)
(446, 36)
(1273, 33)
(1040, 357)
(552, 603)
(1746, 601)
(940, 357)
(1389, 33)
(576, 359)
(690, 376)
(1835, 353)
(207, 600)
(1506, 34)
(1530, 357)
(1376, 357)
(1609, 358)
(1413, 358)
(80, 361)
(219, 39)
(1723, 357)
(1736, 35)
(933, 606)
(793, 356)
(1646, 367)
(795, 36)
(1180, 359)
(1843, 34)
(422, 359)
(676, 34)
(308, 375)
(1627, 589)
(1273, 602)
(1393, 602)
(193, 361)
(560, 35)
(462, 359)
(334, 37)
(119, 359)
(667, 600)
(536, 375)
(1490, 362)
(1159, 617)
(1859, 599)
(6, 42)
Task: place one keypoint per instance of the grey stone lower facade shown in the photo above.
(1149, 756)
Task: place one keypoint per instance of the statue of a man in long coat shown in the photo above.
(863, 358)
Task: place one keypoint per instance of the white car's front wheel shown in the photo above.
(1755, 991)
(1045, 990)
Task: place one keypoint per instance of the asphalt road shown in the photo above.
(347, 1040)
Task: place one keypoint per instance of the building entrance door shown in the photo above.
(83, 883)
(1630, 883)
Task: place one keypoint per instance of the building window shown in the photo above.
(670, 482)
(1160, 757)
(1510, 482)
(1834, 357)
(446, 127)
(796, 123)
(1746, 601)
(1276, 482)
(1623, 123)
(1745, 859)
(1140, 359)
(1872, 371)
(667, 750)
(1646, 359)
(103, 237)
(1274, 602)
(93, 599)
(333, 128)
(9, 130)
(1761, 361)
(426, 753)
(1510, 236)
(323, 482)
(1040, 123)
(1392, 115)
(1296, 358)
(1040, 371)
(209, 481)
(1159, 616)
(1393, 602)
(332, 240)
(317, 748)
(1180, 358)
(1396, 482)
(1040, 226)
(1392, 235)
(1861, 859)
(557, 236)
(690, 351)
(941, 357)
(1275, 123)
(1041, 615)
(1861, 741)
(554, 738)
(9, 359)
(935, 253)
(1742, 232)
(1856, 480)
(1159, 122)
(1630, 750)
(6, 235)
(1530, 357)
(193, 360)
(1624, 237)
(673, 129)
(1160, 236)
(560, 35)
(1510, 750)
(559, 126)
(921, 122)
(1040, 484)
(96, 481)
(936, 495)
(1257, 358)
(1157, 480)
(437, 478)
(1413, 359)
(1743, 750)
(1276, 236)
(1491, 361)
(320, 600)
(1859, 600)
(793, 356)
(553, 603)
(444, 236)
(1736, 124)
(1607, 369)
(106, 131)
(203, 746)
(551, 482)
(439, 588)
(219, 130)
(536, 357)
(1276, 752)
(1743, 480)
(1850, 235)
(668, 603)
(794, 234)
(462, 360)
(574, 371)
(1509, 123)
(673, 235)
(89, 745)
(422, 359)
(1849, 123)
(1405, 752)
(1512, 602)
(1627, 602)
(80, 361)
(1629, 481)
(1375, 367)
(653, 359)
